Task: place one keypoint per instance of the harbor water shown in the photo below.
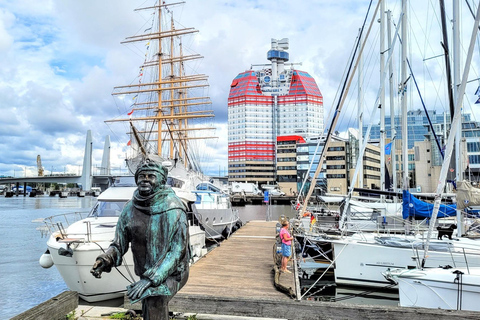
(26, 284)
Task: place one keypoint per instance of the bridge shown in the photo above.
(86, 180)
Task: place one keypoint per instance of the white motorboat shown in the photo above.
(214, 211)
(74, 244)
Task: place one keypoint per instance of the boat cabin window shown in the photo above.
(207, 187)
(107, 209)
(174, 182)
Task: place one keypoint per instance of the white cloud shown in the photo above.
(61, 59)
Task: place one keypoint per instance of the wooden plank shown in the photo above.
(306, 310)
(55, 308)
(280, 285)
(241, 266)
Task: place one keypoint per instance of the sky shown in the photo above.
(60, 59)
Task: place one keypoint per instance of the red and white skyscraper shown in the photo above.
(265, 104)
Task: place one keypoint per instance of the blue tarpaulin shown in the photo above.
(413, 207)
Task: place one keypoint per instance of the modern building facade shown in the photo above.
(418, 125)
(425, 157)
(298, 158)
(264, 104)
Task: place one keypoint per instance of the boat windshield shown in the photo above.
(124, 181)
(107, 209)
(207, 187)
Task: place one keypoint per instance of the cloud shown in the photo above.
(61, 60)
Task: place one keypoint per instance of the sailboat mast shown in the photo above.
(382, 99)
(360, 109)
(172, 92)
(456, 83)
(393, 154)
(165, 104)
(336, 115)
(451, 137)
(160, 92)
(183, 123)
(367, 133)
(404, 97)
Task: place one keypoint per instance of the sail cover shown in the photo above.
(413, 207)
(467, 195)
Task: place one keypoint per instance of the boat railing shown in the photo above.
(59, 222)
(461, 255)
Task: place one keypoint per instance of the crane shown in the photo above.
(39, 166)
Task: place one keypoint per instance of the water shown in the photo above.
(25, 284)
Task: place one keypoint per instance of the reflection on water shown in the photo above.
(24, 283)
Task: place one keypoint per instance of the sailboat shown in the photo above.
(162, 124)
(361, 259)
(451, 286)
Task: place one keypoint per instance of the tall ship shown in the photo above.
(163, 112)
(169, 120)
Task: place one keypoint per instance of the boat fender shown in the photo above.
(278, 227)
(46, 260)
(226, 232)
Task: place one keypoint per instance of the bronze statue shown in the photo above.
(155, 224)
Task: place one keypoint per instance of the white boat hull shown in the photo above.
(362, 263)
(75, 270)
(440, 288)
(218, 223)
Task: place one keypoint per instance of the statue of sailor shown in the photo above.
(155, 224)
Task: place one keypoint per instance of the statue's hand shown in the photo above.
(98, 268)
(136, 290)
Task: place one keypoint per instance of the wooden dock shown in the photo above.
(237, 279)
(242, 266)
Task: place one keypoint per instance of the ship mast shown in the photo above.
(166, 116)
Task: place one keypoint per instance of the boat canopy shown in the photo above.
(413, 207)
(330, 199)
(467, 195)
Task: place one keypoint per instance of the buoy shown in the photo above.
(46, 260)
